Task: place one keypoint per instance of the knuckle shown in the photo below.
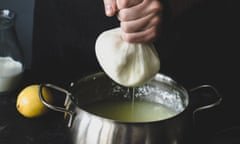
(126, 37)
(123, 15)
(156, 20)
(153, 33)
(128, 27)
(156, 6)
(122, 4)
(123, 26)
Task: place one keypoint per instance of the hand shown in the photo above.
(139, 19)
(110, 7)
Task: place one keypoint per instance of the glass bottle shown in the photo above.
(11, 54)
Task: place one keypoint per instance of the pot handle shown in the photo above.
(217, 98)
(57, 108)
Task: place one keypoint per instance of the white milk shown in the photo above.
(10, 73)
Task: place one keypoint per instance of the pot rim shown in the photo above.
(69, 101)
(159, 77)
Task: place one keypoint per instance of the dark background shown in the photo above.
(198, 45)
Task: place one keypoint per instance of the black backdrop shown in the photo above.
(197, 46)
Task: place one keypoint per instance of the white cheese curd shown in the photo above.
(129, 64)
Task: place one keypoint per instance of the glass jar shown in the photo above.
(11, 54)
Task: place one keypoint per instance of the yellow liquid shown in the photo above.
(127, 111)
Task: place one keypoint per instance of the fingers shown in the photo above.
(139, 19)
(140, 10)
(121, 4)
(146, 36)
(110, 7)
(140, 23)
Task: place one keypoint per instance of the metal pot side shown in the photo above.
(88, 128)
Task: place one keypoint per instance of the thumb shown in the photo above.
(110, 7)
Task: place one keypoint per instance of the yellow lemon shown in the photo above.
(28, 102)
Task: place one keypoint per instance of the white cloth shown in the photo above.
(129, 64)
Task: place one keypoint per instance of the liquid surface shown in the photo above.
(127, 111)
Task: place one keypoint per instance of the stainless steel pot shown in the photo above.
(88, 128)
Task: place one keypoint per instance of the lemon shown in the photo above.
(29, 104)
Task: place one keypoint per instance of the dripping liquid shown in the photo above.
(132, 94)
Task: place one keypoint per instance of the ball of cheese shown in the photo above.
(128, 64)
